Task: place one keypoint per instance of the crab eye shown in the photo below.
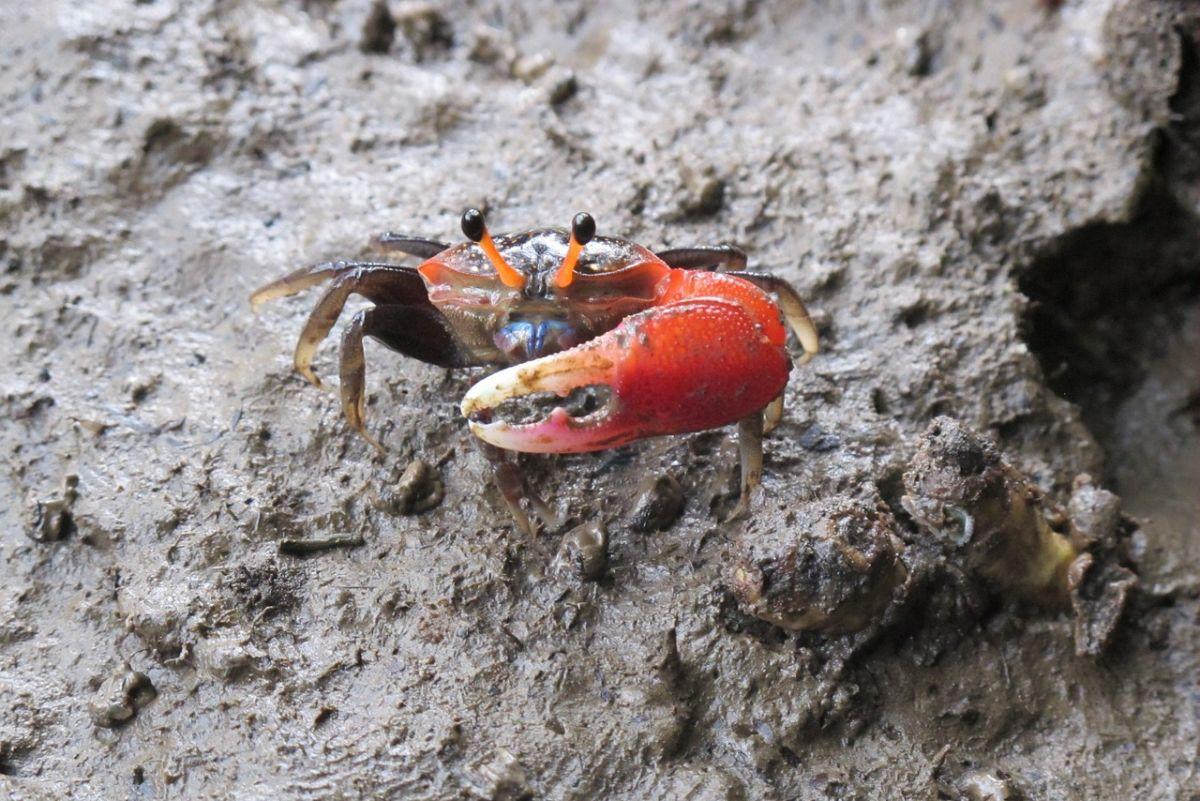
(583, 228)
(473, 226)
(476, 230)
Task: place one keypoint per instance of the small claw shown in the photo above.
(687, 366)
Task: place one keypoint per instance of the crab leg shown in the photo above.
(419, 246)
(514, 488)
(705, 257)
(773, 415)
(750, 437)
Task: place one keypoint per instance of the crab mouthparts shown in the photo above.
(522, 392)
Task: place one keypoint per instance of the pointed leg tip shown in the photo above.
(739, 512)
(550, 519)
(521, 520)
(309, 376)
(359, 426)
(772, 415)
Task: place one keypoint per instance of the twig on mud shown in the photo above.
(935, 765)
(298, 547)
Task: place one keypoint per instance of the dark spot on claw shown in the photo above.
(481, 416)
(589, 403)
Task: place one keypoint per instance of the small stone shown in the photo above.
(1095, 514)
(703, 193)
(563, 87)
(50, 519)
(916, 51)
(1099, 594)
(379, 30)
(982, 785)
(424, 27)
(992, 518)
(706, 783)
(225, 658)
(584, 552)
(418, 489)
(818, 440)
(834, 567)
(501, 778)
(490, 46)
(1025, 85)
(528, 68)
(139, 386)
(658, 505)
(120, 697)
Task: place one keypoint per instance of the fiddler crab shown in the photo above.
(678, 345)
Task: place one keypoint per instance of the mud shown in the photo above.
(990, 207)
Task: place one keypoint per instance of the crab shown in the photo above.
(681, 340)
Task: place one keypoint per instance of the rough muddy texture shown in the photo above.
(991, 207)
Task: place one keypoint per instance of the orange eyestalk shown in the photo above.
(475, 230)
(583, 228)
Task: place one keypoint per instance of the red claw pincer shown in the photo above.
(710, 351)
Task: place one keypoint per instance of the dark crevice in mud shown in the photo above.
(1179, 156)
(1115, 323)
(890, 487)
(1106, 297)
(1114, 304)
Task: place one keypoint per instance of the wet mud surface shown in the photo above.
(211, 588)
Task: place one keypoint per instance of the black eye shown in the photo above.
(583, 228)
(472, 224)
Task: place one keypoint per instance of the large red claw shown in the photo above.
(689, 365)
